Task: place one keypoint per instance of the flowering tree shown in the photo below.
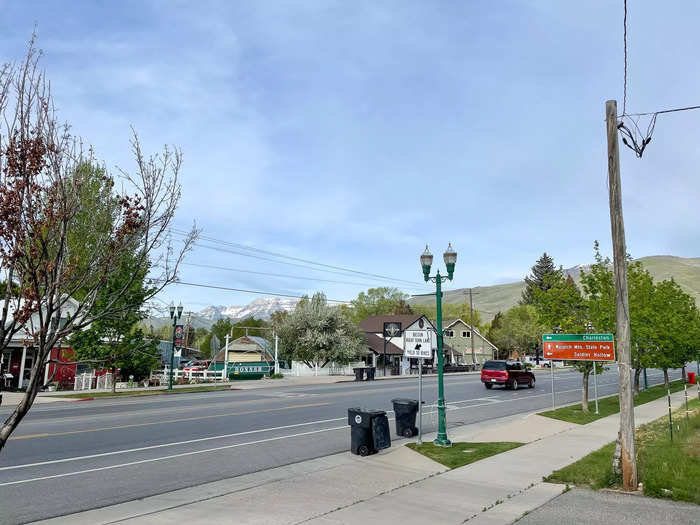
(59, 250)
(317, 334)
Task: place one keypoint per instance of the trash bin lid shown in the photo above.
(404, 401)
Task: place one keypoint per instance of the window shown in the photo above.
(466, 334)
(450, 333)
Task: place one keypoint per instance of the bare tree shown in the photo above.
(57, 248)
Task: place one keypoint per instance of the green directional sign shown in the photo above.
(575, 338)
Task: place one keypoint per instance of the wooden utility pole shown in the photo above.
(628, 456)
(471, 323)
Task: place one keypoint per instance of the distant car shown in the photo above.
(510, 374)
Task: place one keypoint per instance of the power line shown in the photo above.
(259, 292)
(687, 108)
(276, 274)
(289, 257)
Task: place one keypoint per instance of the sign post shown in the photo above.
(578, 347)
(418, 344)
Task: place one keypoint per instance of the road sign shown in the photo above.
(578, 337)
(417, 344)
(392, 329)
(579, 347)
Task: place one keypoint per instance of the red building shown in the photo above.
(18, 359)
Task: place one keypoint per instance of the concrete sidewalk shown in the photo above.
(394, 486)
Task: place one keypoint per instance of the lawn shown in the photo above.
(460, 454)
(667, 469)
(607, 405)
(185, 390)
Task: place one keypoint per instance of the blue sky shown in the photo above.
(352, 133)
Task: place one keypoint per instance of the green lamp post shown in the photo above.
(175, 316)
(426, 261)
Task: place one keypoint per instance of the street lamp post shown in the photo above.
(426, 261)
(175, 316)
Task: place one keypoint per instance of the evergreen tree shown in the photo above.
(539, 278)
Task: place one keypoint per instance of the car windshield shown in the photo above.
(494, 365)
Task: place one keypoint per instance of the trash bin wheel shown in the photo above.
(363, 450)
(407, 432)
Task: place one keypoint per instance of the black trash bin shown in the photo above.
(370, 373)
(405, 411)
(359, 372)
(369, 431)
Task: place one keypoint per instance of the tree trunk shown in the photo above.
(666, 385)
(637, 373)
(584, 391)
(684, 375)
(22, 408)
(114, 379)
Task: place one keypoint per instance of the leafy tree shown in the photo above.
(674, 319)
(57, 248)
(539, 278)
(377, 301)
(115, 342)
(452, 311)
(520, 329)
(494, 325)
(317, 334)
(238, 329)
(563, 306)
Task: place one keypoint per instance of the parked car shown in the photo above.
(510, 374)
(196, 366)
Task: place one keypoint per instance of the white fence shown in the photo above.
(300, 369)
(191, 376)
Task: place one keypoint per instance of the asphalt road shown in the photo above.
(69, 457)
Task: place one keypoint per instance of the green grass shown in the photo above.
(460, 454)
(667, 469)
(607, 405)
(184, 390)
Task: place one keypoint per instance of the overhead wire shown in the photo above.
(285, 276)
(321, 266)
(259, 292)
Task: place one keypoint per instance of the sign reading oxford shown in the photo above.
(579, 347)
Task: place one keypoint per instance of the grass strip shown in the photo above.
(184, 390)
(460, 454)
(667, 469)
(608, 405)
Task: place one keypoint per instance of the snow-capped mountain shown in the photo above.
(259, 309)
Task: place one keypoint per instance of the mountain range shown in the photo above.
(491, 299)
(487, 299)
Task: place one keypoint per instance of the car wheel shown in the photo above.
(514, 386)
(531, 384)
(363, 450)
(488, 386)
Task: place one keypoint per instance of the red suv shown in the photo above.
(510, 374)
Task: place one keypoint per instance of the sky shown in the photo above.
(352, 134)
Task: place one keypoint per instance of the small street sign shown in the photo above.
(392, 329)
(417, 344)
(579, 347)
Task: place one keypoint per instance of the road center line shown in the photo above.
(165, 421)
(183, 454)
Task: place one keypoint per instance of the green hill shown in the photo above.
(491, 299)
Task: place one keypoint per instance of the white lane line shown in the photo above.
(187, 442)
(110, 467)
(151, 447)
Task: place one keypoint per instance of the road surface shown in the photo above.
(69, 457)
